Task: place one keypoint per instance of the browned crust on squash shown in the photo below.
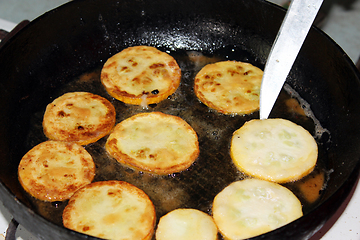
(179, 162)
(229, 87)
(50, 173)
(80, 130)
(111, 191)
(165, 67)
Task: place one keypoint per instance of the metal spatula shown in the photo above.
(292, 33)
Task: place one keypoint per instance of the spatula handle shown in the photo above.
(292, 33)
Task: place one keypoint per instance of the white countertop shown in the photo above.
(343, 25)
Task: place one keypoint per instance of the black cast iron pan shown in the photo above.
(63, 50)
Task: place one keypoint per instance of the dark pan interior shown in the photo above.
(51, 55)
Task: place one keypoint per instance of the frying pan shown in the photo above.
(51, 54)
